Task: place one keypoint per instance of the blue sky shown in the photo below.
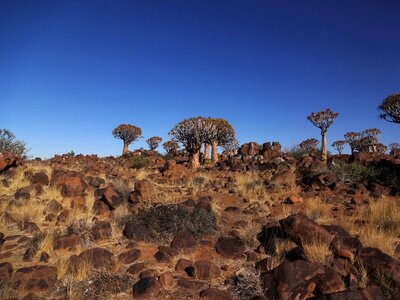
(71, 71)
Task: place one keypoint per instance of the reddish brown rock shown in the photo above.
(101, 230)
(40, 178)
(73, 186)
(370, 293)
(100, 208)
(111, 197)
(184, 241)
(230, 247)
(182, 264)
(294, 200)
(137, 232)
(146, 288)
(143, 191)
(53, 207)
(34, 278)
(129, 256)
(167, 280)
(215, 294)
(26, 192)
(6, 270)
(78, 203)
(302, 229)
(98, 258)
(8, 160)
(205, 270)
(135, 268)
(64, 242)
(330, 282)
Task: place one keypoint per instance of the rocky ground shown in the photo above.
(95, 228)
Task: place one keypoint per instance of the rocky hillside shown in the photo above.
(253, 227)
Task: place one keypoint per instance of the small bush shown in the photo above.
(8, 143)
(167, 220)
(349, 172)
(139, 162)
(247, 285)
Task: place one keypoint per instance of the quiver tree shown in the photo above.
(171, 147)
(223, 133)
(339, 146)
(323, 120)
(309, 145)
(369, 140)
(192, 133)
(153, 142)
(394, 148)
(128, 134)
(381, 148)
(353, 139)
(390, 109)
(231, 147)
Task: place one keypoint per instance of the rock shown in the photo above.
(44, 257)
(63, 216)
(100, 208)
(95, 181)
(98, 258)
(215, 294)
(8, 160)
(26, 192)
(147, 273)
(143, 191)
(1, 238)
(53, 207)
(205, 270)
(162, 257)
(101, 230)
(184, 241)
(294, 280)
(330, 282)
(73, 186)
(78, 203)
(40, 178)
(370, 293)
(32, 296)
(377, 263)
(193, 285)
(293, 200)
(136, 232)
(230, 247)
(135, 268)
(183, 264)
(129, 256)
(167, 280)
(34, 278)
(146, 288)
(65, 242)
(301, 229)
(30, 227)
(111, 197)
(6, 271)
(343, 240)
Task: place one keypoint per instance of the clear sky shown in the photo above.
(71, 71)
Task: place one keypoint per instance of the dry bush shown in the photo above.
(250, 185)
(246, 285)
(318, 210)
(82, 228)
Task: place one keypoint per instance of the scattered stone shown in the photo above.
(230, 247)
(146, 288)
(101, 230)
(184, 241)
(65, 242)
(73, 186)
(34, 278)
(129, 256)
(205, 270)
(167, 280)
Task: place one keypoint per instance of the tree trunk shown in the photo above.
(214, 152)
(323, 146)
(194, 160)
(206, 151)
(125, 150)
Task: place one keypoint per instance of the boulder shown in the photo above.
(136, 232)
(146, 288)
(101, 230)
(40, 178)
(184, 241)
(8, 160)
(167, 280)
(6, 271)
(143, 191)
(215, 294)
(370, 293)
(111, 197)
(230, 247)
(129, 256)
(205, 270)
(65, 242)
(73, 186)
(34, 278)
(98, 258)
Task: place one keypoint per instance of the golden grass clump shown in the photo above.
(317, 249)
(250, 185)
(318, 210)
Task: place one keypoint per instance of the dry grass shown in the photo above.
(317, 249)
(31, 211)
(249, 185)
(378, 225)
(318, 210)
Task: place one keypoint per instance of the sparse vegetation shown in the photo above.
(139, 162)
(9, 143)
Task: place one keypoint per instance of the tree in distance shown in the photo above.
(153, 142)
(390, 109)
(128, 134)
(323, 120)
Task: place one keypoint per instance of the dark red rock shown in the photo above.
(99, 258)
(100, 208)
(330, 282)
(101, 230)
(215, 294)
(8, 160)
(73, 186)
(40, 178)
(167, 280)
(65, 242)
(302, 229)
(129, 256)
(184, 241)
(230, 247)
(53, 207)
(146, 288)
(205, 270)
(111, 197)
(162, 257)
(6, 270)
(370, 293)
(136, 232)
(143, 191)
(183, 264)
(135, 268)
(34, 278)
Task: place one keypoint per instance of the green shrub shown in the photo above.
(8, 143)
(139, 162)
(167, 220)
(349, 172)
